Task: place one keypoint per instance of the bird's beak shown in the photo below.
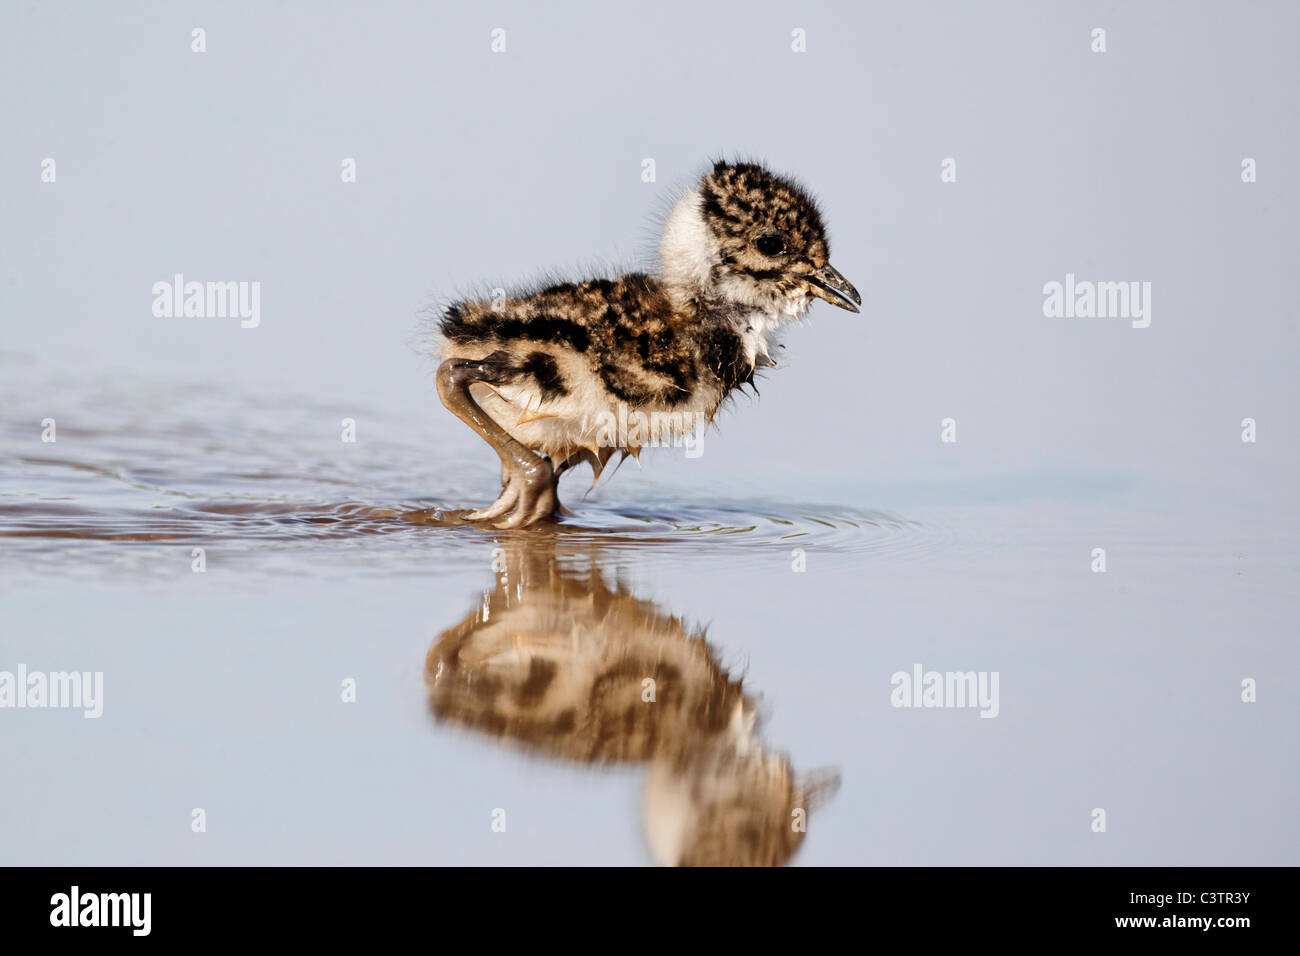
(827, 283)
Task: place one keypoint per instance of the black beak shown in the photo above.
(828, 284)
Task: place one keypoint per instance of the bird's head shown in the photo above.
(748, 238)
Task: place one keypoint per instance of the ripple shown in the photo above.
(678, 527)
(193, 480)
(667, 528)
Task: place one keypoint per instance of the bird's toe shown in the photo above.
(509, 500)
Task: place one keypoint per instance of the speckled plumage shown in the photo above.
(538, 373)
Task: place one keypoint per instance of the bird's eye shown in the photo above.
(770, 245)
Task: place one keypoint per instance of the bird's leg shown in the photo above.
(527, 479)
(560, 469)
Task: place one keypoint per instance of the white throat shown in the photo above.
(687, 254)
(687, 250)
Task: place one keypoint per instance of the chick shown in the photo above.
(540, 376)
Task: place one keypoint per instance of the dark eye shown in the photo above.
(770, 245)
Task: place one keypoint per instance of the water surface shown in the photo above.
(326, 562)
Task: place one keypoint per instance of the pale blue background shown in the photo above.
(1118, 691)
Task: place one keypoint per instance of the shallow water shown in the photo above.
(325, 562)
(200, 474)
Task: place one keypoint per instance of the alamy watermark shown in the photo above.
(1085, 299)
(75, 908)
(947, 689)
(82, 690)
(631, 428)
(208, 300)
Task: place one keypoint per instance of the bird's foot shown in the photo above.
(527, 496)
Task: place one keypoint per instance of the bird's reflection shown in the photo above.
(559, 661)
